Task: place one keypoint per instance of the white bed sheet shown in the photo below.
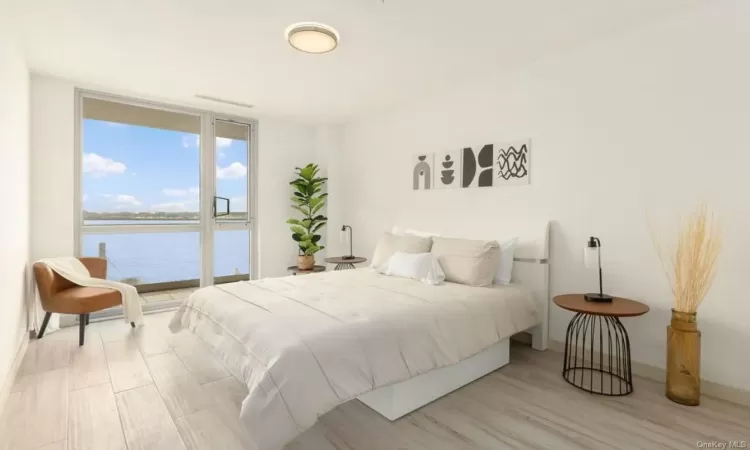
(305, 344)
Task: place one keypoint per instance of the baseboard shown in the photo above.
(10, 379)
(708, 388)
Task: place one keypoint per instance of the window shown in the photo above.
(165, 194)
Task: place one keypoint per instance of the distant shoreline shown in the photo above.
(87, 215)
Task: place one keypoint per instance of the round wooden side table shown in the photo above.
(344, 263)
(597, 346)
(297, 271)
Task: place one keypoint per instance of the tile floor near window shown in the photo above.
(149, 389)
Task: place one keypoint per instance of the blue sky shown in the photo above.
(133, 168)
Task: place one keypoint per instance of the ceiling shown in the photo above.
(389, 51)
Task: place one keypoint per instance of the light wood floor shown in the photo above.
(148, 389)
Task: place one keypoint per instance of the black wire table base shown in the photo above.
(344, 266)
(597, 355)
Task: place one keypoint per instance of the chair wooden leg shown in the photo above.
(45, 321)
(88, 317)
(81, 328)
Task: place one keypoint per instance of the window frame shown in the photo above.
(207, 224)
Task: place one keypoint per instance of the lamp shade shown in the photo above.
(591, 257)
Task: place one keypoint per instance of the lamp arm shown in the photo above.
(351, 240)
(599, 250)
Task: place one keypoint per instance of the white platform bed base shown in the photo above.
(530, 269)
(399, 399)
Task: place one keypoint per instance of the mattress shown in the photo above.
(305, 344)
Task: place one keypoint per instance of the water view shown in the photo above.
(142, 166)
(140, 258)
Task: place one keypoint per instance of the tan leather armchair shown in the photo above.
(59, 295)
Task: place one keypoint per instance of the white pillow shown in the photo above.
(417, 266)
(467, 261)
(390, 243)
(401, 231)
(507, 252)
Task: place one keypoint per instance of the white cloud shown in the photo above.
(127, 200)
(194, 190)
(194, 141)
(191, 141)
(222, 155)
(100, 166)
(232, 171)
(85, 197)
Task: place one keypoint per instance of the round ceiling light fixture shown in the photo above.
(311, 37)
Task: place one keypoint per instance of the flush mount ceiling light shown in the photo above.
(311, 37)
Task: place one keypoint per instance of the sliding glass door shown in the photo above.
(165, 194)
(231, 220)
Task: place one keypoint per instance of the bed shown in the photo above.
(304, 345)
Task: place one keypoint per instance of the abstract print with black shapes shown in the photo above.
(512, 163)
(477, 167)
(447, 170)
(422, 171)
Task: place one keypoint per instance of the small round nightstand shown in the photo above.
(296, 270)
(597, 346)
(344, 263)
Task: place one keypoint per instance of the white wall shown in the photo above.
(282, 146)
(328, 142)
(14, 184)
(654, 120)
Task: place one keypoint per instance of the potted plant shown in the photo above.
(309, 199)
(690, 267)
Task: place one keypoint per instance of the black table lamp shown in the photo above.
(592, 257)
(343, 238)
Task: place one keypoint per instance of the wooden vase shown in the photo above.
(305, 262)
(684, 359)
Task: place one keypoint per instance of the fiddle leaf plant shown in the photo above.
(308, 198)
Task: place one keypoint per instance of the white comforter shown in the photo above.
(305, 344)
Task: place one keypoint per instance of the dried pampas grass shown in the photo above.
(691, 265)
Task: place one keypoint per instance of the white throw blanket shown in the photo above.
(73, 270)
(305, 344)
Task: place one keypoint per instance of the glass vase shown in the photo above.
(683, 359)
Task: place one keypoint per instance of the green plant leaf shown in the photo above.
(307, 172)
(317, 208)
(296, 237)
(303, 209)
(316, 238)
(298, 230)
(294, 222)
(318, 227)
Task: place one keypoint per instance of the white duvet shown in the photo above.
(305, 344)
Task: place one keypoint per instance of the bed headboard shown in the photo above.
(531, 261)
